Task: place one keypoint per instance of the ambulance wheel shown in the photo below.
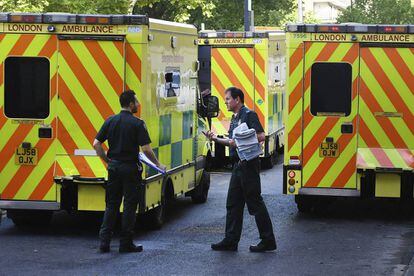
(200, 193)
(154, 218)
(304, 204)
(23, 218)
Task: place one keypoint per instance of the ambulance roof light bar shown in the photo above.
(348, 28)
(227, 34)
(25, 18)
(59, 18)
(69, 18)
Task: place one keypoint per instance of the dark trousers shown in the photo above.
(244, 189)
(124, 181)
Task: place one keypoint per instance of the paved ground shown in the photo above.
(350, 237)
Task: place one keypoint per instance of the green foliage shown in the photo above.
(216, 14)
(23, 5)
(379, 12)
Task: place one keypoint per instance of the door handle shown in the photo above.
(347, 128)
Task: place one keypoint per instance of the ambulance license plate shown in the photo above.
(330, 149)
(26, 156)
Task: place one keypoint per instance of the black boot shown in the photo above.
(130, 248)
(224, 245)
(104, 247)
(263, 246)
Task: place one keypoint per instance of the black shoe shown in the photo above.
(263, 246)
(224, 245)
(130, 248)
(104, 247)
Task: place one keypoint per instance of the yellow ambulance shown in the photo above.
(254, 62)
(350, 112)
(60, 78)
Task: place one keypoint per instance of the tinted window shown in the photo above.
(172, 83)
(26, 87)
(331, 89)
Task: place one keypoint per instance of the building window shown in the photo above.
(26, 87)
(331, 89)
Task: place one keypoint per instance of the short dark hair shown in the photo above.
(236, 92)
(127, 97)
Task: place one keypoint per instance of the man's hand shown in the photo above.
(162, 167)
(210, 135)
(232, 143)
(97, 145)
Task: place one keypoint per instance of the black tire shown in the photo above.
(22, 218)
(304, 204)
(154, 219)
(200, 193)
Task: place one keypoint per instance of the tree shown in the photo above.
(379, 12)
(216, 14)
(23, 5)
(89, 7)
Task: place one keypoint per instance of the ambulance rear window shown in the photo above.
(26, 87)
(331, 89)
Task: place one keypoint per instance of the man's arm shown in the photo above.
(223, 141)
(97, 145)
(147, 150)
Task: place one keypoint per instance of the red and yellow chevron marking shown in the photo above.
(386, 85)
(28, 182)
(371, 158)
(91, 77)
(337, 172)
(293, 110)
(236, 67)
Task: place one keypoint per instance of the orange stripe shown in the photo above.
(248, 70)
(296, 94)
(393, 96)
(105, 65)
(77, 111)
(69, 144)
(15, 140)
(85, 79)
(382, 157)
(120, 47)
(326, 163)
(318, 138)
(294, 134)
(21, 45)
(44, 185)
(1, 74)
(3, 118)
(59, 171)
(234, 80)
(49, 48)
(24, 172)
(385, 123)
(133, 60)
(367, 135)
(259, 61)
(295, 59)
(324, 55)
(346, 173)
(401, 67)
(217, 83)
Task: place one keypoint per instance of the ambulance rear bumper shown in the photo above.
(29, 205)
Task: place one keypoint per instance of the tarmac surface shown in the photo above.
(348, 237)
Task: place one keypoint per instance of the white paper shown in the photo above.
(144, 159)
